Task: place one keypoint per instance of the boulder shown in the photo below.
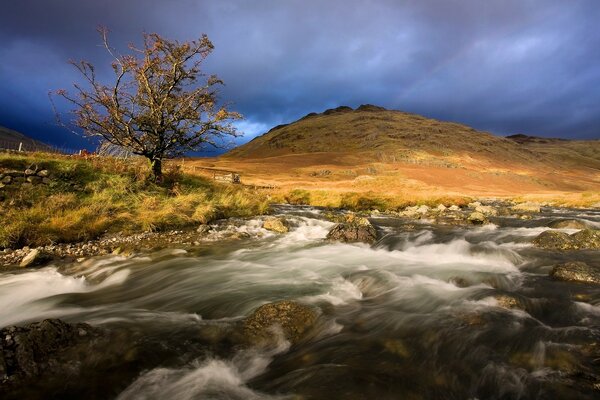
(568, 224)
(477, 218)
(585, 239)
(527, 207)
(28, 351)
(276, 224)
(33, 258)
(509, 302)
(554, 240)
(576, 271)
(359, 230)
(290, 318)
(486, 210)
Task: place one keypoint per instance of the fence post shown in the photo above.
(21, 146)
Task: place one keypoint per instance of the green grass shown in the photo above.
(91, 197)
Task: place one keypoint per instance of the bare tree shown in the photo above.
(159, 104)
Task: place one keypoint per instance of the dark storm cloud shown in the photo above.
(506, 66)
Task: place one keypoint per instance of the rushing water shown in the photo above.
(414, 316)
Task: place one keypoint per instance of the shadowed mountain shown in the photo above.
(10, 140)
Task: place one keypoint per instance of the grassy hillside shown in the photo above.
(85, 198)
(410, 158)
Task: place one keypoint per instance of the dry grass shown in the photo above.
(115, 196)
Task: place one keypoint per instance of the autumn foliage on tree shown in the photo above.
(159, 105)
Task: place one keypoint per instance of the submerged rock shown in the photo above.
(568, 224)
(292, 318)
(358, 230)
(509, 302)
(275, 224)
(576, 271)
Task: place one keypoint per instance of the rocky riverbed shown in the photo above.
(316, 304)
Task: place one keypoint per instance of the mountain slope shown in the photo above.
(10, 139)
(397, 154)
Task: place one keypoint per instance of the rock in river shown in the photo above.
(477, 218)
(359, 230)
(584, 239)
(568, 224)
(275, 224)
(576, 271)
(294, 320)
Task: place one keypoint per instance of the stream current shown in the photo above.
(418, 315)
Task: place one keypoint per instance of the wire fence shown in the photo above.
(15, 146)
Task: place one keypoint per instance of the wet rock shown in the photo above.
(554, 240)
(568, 224)
(33, 258)
(587, 239)
(275, 224)
(486, 210)
(509, 301)
(291, 318)
(527, 207)
(576, 271)
(30, 350)
(359, 230)
(477, 218)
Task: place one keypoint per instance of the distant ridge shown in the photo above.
(10, 140)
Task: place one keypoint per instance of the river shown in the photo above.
(415, 316)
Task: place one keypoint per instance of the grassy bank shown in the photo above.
(87, 198)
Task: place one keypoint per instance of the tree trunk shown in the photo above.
(156, 164)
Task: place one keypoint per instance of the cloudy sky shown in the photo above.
(506, 66)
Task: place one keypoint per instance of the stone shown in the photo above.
(7, 180)
(29, 172)
(576, 271)
(554, 240)
(527, 207)
(486, 210)
(474, 204)
(203, 229)
(34, 180)
(276, 224)
(358, 231)
(44, 173)
(34, 257)
(477, 218)
(46, 181)
(291, 318)
(454, 207)
(441, 208)
(568, 224)
(509, 302)
(587, 239)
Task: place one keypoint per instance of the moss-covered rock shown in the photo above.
(276, 224)
(554, 240)
(568, 224)
(576, 271)
(292, 318)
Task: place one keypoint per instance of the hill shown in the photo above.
(10, 140)
(394, 153)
